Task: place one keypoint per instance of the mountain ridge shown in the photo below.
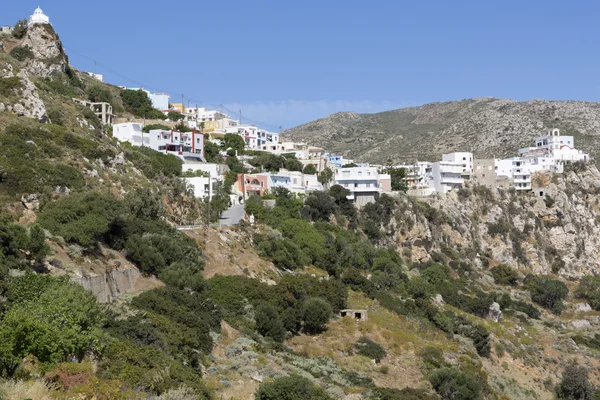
(487, 126)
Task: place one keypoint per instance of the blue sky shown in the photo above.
(286, 63)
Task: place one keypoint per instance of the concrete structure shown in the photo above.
(103, 111)
(362, 182)
(360, 315)
(38, 17)
(217, 128)
(203, 114)
(385, 183)
(484, 172)
(447, 176)
(6, 30)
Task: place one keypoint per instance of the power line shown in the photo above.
(155, 89)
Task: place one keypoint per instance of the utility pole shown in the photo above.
(240, 117)
(182, 104)
(209, 198)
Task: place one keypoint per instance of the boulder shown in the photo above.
(494, 314)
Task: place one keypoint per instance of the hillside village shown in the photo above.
(154, 250)
(201, 127)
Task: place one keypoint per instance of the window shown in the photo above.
(356, 185)
(368, 185)
(464, 158)
(345, 185)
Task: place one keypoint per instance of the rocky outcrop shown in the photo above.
(48, 54)
(556, 232)
(29, 103)
(110, 285)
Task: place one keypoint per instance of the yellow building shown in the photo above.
(178, 106)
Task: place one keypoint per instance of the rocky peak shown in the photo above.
(27, 101)
(48, 53)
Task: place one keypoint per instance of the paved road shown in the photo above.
(233, 215)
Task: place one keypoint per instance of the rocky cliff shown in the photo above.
(49, 57)
(23, 99)
(487, 126)
(554, 228)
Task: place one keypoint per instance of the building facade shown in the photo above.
(362, 182)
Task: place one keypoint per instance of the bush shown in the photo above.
(81, 218)
(290, 388)
(310, 169)
(548, 293)
(315, 314)
(318, 206)
(284, 253)
(452, 384)
(8, 85)
(268, 322)
(97, 93)
(575, 384)
(589, 289)
(148, 128)
(21, 53)
(20, 29)
(504, 275)
(370, 349)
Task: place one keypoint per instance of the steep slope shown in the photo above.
(486, 126)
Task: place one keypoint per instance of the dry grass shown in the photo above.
(18, 390)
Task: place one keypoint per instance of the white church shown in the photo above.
(38, 17)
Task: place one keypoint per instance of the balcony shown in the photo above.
(451, 180)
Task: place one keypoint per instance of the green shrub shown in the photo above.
(452, 384)
(504, 275)
(268, 322)
(9, 85)
(315, 314)
(589, 289)
(575, 384)
(84, 219)
(98, 93)
(548, 293)
(370, 349)
(20, 29)
(290, 388)
(21, 53)
(284, 253)
(151, 127)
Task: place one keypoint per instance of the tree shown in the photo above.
(504, 275)
(398, 177)
(290, 388)
(138, 103)
(234, 142)
(293, 164)
(20, 29)
(63, 321)
(318, 206)
(548, 293)
(575, 384)
(589, 289)
(97, 93)
(309, 169)
(316, 313)
(325, 176)
(351, 165)
(211, 150)
(268, 322)
(174, 116)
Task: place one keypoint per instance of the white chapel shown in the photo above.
(38, 17)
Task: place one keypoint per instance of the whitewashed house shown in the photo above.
(362, 182)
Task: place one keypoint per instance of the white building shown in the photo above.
(551, 152)
(516, 170)
(38, 17)
(203, 114)
(446, 176)
(185, 145)
(127, 132)
(160, 101)
(464, 158)
(294, 181)
(362, 182)
(98, 77)
(211, 169)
